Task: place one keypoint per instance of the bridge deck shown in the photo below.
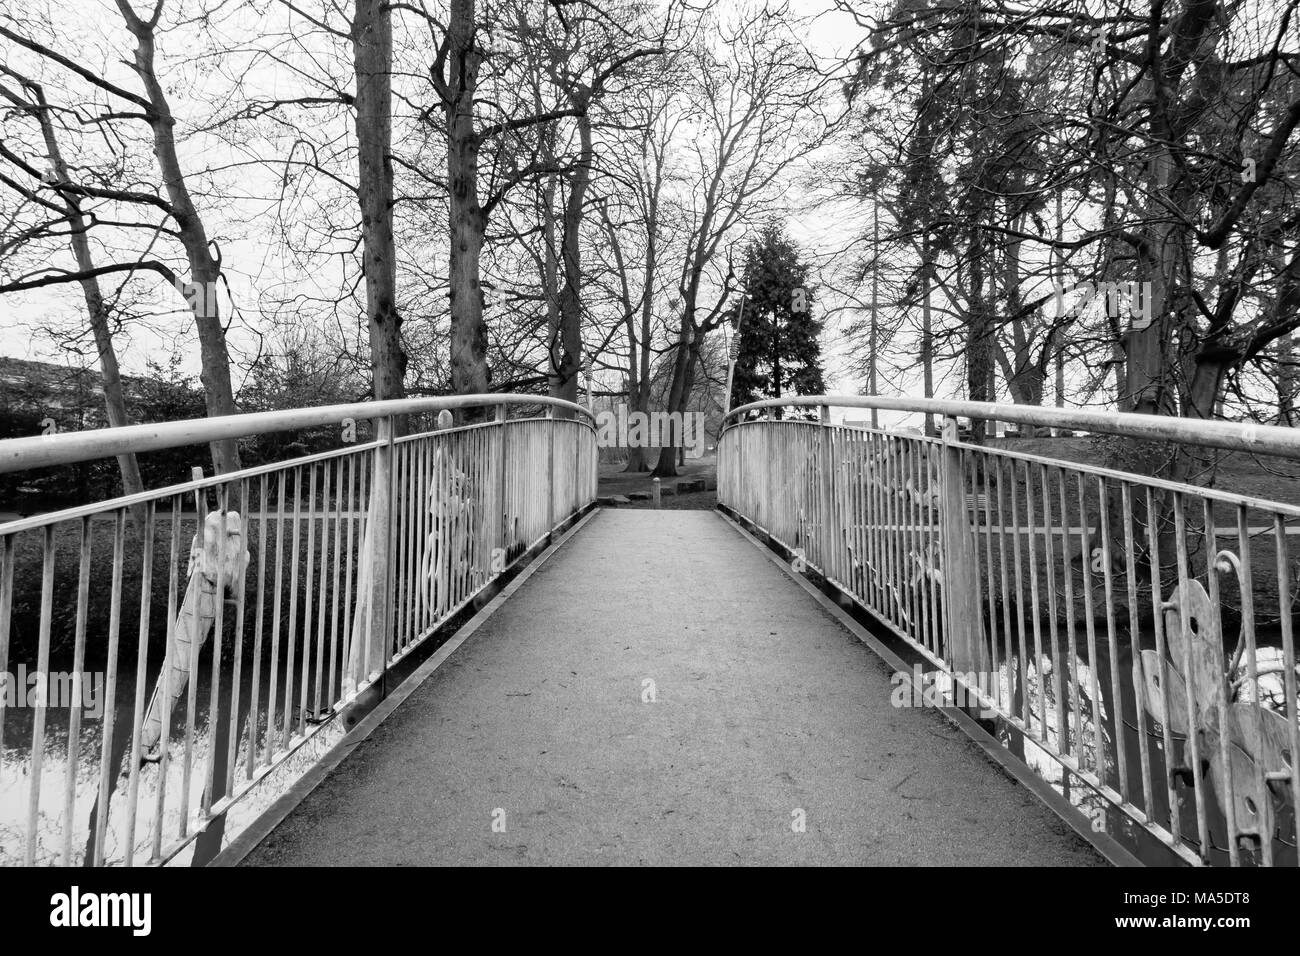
(764, 705)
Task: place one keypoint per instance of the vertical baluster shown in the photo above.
(911, 511)
(388, 632)
(1112, 640)
(322, 601)
(218, 636)
(1072, 638)
(413, 515)
(291, 639)
(271, 696)
(442, 504)
(892, 538)
(1034, 610)
(308, 605)
(141, 680)
(1193, 741)
(419, 553)
(340, 518)
(254, 702)
(1015, 661)
(995, 668)
(1135, 647)
(74, 708)
(1289, 666)
(935, 547)
(350, 573)
(38, 715)
(1225, 683)
(451, 505)
(106, 769)
(832, 538)
(403, 509)
(876, 521)
(233, 729)
(1049, 556)
(365, 569)
(1246, 572)
(1157, 605)
(6, 610)
(164, 680)
(921, 497)
(1026, 697)
(1090, 630)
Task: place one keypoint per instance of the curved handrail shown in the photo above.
(1262, 439)
(43, 451)
(930, 537)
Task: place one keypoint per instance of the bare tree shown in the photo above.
(183, 221)
(97, 310)
(757, 111)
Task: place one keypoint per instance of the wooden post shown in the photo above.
(961, 603)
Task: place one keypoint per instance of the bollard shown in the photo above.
(654, 493)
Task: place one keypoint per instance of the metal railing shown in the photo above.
(164, 653)
(1132, 633)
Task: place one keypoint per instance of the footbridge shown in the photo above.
(1073, 644)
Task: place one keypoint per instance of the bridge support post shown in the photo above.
(550, 473)
(961, 603)
(824, 519)
(370, 648)
(501, 533)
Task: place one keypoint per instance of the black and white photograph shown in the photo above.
(651, 433)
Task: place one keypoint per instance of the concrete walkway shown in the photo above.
(764, 707)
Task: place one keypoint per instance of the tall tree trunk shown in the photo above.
(979, 335)
(666, 467)
(96, 310)
(873, 346)
(639, 380)
(551, 270)
(468, 223)
(1025, 377)
(927, 331)
(372, 49)
(1058, 333)
(205, 269)
(1146, 370)
(1286, 381)
(566, 373)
